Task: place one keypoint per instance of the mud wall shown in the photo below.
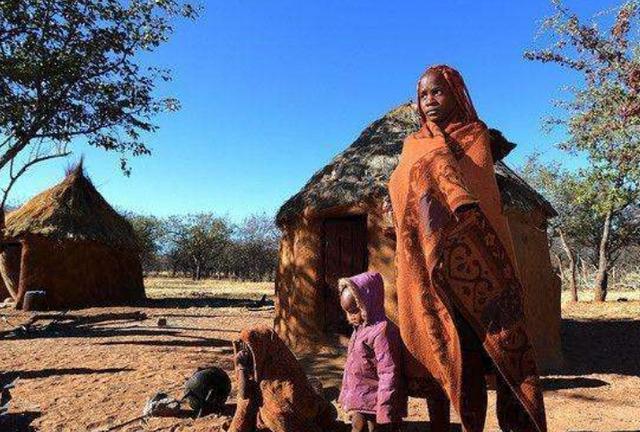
(541, 286)
(299, 320)
(80, 274)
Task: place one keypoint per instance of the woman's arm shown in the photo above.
(247, 400)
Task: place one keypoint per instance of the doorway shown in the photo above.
(345, 254)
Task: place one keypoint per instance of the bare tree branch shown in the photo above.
(13, 177)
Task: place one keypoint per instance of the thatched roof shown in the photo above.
(71, 210)
(362, 171)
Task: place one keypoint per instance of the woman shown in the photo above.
(459, 297)
(274, 393)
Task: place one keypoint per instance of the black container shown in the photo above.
(34, 301)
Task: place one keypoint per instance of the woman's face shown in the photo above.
(435, 98)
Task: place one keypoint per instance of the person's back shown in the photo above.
(373, 389)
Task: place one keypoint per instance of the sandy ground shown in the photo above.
(94, 369)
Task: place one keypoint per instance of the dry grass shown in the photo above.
(620, 305)
(162, 287)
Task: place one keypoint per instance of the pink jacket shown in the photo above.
(372, 381)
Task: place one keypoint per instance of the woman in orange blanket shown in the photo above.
(459, 296)
(274, 393)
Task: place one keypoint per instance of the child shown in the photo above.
(372, 387)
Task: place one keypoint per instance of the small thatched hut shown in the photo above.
(339, 224)
(69, 242)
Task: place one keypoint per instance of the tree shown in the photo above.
(72, 69)
(602, 119)
(199, 241)
(150, 232)
(558, 187)
(577, 226)
(256, 247)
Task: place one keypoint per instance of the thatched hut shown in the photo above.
(339, 224)
(69, 242)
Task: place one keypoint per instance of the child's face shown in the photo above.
(350, 306)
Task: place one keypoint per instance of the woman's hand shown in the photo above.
(243, 359)
(244, 364)
(434, 131)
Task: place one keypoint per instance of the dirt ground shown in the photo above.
(94, 369)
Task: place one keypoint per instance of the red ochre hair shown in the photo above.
(459, 90)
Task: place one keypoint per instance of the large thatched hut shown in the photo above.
(69, 242)
(339, 224)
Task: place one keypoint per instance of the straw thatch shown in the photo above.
(72, 210)
(362, 171)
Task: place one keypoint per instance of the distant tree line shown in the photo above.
(205, 245)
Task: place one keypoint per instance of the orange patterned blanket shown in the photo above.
(455, 258)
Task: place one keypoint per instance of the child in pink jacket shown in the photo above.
(373, 390)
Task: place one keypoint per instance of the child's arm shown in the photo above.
(390, 386)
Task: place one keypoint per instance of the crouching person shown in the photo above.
(273, 391)
(373, 388)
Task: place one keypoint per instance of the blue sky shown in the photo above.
(272, 90)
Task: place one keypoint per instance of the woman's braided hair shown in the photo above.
(467, 112)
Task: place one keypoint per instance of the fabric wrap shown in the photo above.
(449, 261)
(283, 400)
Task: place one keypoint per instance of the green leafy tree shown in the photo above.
(577, 226)
(601, 118)
(558, 187)
(150, 233)
(198, 241)
(72, 69)
(256, 247)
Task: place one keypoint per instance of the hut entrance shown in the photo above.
(345, 254)
(10, 255)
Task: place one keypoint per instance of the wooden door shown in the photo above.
(345, 254)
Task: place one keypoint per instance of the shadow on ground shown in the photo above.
(104, 325)
(178, 343)
(590, 346)
(598, 346)
(327, 367)
(19, 422)
(425, 426)
(45, 373)
(201, 302)
(52, 325)
(571, 383)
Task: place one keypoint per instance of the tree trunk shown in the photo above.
(572, 267)
(613, 276)
(602, 277)
(585, 272)
(198, 272)
(560, 267)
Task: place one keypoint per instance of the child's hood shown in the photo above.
(369, 292)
